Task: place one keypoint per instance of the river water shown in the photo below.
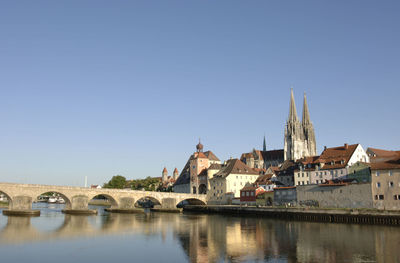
(168, 237)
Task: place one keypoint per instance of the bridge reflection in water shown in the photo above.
(211, 238)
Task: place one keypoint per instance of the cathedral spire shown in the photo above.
(292, 109)
(306, 114)
(264, 145)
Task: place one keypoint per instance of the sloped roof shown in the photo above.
(211, 156)
(263, 178)
(287, 168)
(340, 156)
(235, 166)
(215, 166)
(264, 155)
(386, 165)
(380, 155)
(184, 177)
(273, 155)
(200, 155)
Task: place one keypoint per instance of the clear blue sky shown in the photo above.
(99, 88)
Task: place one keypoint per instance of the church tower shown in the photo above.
(299, 137)
(308, 130)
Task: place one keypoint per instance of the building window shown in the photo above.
(247, 193)
(390, 173)
(391, 184)
(376, 197)
(317, 181)
(395, 197)
(252, 193)
(381, 197)
(378, 184)
(377, 173)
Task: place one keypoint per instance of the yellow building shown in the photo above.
(227, 182)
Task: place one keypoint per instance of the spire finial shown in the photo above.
(292, 108)
(306, 113)
(264, 144)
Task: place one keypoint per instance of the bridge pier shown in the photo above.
(79, 206)
(126, 205)
(21, 206)
(167, 205)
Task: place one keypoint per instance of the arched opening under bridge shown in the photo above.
(190, 201)
(148, 202)
(52, 200)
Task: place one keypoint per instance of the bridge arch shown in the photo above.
(10, 200)
(189, 201)
(147, 201)
(64, 197)
(113, 201)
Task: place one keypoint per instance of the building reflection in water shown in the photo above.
(215, 238)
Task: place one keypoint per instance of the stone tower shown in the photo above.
(299, 137)
(164, 177)
(176, 174)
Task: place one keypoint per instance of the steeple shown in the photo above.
(264, 145)
(292, 108)
(306, 114)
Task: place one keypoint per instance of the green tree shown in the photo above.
(117, 181)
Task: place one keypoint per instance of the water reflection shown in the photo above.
(214, 238)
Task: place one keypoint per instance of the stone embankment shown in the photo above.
(354, 216)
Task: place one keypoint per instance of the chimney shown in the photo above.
(325, 147)
(346, 146)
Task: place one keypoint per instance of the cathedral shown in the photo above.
(299, 136)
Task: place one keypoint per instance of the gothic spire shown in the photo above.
(264, 145)
(292, 109)
(306, 114)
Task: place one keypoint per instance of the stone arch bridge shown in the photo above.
(21, 196)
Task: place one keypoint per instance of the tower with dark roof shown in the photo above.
(299, 136)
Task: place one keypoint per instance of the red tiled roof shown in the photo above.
(201, 155)
(380, 155)
(339, 156)
(247, 188)
(386, 165)
(211, 156)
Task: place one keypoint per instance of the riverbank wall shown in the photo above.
(354, 216)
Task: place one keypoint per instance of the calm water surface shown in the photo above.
(164, 237)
